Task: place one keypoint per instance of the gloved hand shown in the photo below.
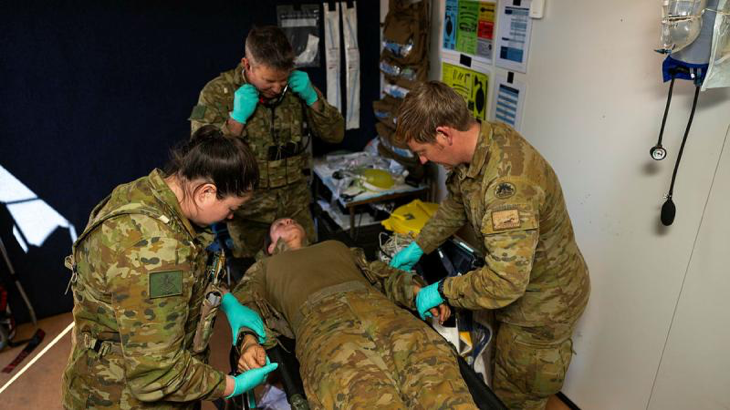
(405, 259)
(244, 103)
(241, 316)
(252, 378)
(300, 84)
(428, 298)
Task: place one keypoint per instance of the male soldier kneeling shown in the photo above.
(356, 348)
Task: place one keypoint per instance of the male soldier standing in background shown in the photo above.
(535, 277)
(265, 101)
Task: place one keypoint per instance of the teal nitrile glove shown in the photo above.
(244, 103)
(252, 378)
(240, 316)
(428, 298)
(405, 259)
(300, 84)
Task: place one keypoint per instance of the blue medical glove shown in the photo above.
(300, 84)
(240, 316)
(405, 259)
(428, 298)
(252, 378)
(244, 103)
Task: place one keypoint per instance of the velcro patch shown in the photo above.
(166, 283)
(198, 112)
(504, 190)
(506, 219)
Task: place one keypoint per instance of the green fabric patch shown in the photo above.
(164, 284)
(198, 113)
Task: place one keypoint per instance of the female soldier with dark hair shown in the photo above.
(139, 281)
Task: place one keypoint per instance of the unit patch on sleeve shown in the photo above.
(198, 113)
(504, 190)
(167, 283)
(506, 219)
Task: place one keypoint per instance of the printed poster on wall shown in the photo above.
(468, 22)
(473, 27)
(513, 38)
(485, 30)
(450, 21)
(471, 85)
(508, 101)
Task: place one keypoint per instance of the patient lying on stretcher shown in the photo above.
(356, 345)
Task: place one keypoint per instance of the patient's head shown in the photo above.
(288, 231)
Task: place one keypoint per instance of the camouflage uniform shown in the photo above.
(283, 189)
(534, 278)
(356, 348)
(138, 281)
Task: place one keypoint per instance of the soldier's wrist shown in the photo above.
(247, 338)
(440, 289)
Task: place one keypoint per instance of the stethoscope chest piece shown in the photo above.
(658, 152)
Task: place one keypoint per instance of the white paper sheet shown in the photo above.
(352, 61)
(513, 37)
(508, 101)
(332, 55)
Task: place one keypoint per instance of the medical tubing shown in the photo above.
(684, 140)
(666, 111)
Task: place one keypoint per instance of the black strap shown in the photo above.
(35, 341)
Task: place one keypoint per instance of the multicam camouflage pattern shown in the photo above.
(535, 276)
(357, 348)
(139, 281)
(525, 373)
(269, 127)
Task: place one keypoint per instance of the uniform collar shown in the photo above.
(481, 151)
(165, 195)
(238, 79)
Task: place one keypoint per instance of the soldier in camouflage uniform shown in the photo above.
(267, 104)
(139, 280)
(534, 278)
(356, 347)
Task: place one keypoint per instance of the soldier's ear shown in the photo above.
(446, 134)
(206, 193)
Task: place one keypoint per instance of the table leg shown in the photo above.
(352, 222)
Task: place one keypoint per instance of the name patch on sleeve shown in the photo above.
(506, 219)
(164, 284)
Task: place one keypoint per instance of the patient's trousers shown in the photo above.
(359, 350)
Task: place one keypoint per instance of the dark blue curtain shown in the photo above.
(95, 93)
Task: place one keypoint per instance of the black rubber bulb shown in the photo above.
(668, 212)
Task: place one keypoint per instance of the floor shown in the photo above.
(39, 386)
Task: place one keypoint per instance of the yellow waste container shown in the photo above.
(410, 218)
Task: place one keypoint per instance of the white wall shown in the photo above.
(594, 106)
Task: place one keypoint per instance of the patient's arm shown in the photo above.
(250, 292)
(397, 285)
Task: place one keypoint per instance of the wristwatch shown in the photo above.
(440, 289)
(242, 335)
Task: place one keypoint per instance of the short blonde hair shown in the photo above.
(430, 105)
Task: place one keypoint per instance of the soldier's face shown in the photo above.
(211, 209)
(270, 82)
(289, 230)
(437, 152)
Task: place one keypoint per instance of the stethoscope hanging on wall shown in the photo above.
(695, 46)
(658, 153)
